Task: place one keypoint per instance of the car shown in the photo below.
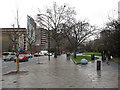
(30, 55)
(43, 52)
(36, 54)
(8, 56)
(50, 54)
(58, 53)
(22, 57)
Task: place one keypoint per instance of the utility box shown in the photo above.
(98, 65)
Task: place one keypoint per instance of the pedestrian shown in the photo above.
(103, 56)
(108, 57)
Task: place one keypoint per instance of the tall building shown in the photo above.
(42, 39)
(31, 27)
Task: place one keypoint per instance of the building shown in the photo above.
(119, 10)
(37, 35)
(12, 37)
(31, 27)
(42, 39)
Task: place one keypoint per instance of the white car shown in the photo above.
(37, 54)
(8, 56)
(44, 52)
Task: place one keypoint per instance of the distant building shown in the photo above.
(38, 34)
(119, 10)
(31, 27)
(42, 39)
(8, 37)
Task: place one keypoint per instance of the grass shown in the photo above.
(95, 53)
(116, 59)
(78, 58)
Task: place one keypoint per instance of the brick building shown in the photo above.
(8, 39)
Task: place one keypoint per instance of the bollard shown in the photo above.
(68, 58)
(68, 55)
(98, 65)
(92, 57)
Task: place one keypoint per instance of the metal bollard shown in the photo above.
(98, 65)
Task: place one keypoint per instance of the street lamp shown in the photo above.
(48, 42)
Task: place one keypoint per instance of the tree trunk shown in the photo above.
(74, 53)
(30, 47)
(55, 53)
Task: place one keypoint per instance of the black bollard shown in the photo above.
(98, 65)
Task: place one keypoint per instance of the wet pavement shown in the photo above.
(63, 73)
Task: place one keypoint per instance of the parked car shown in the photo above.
(37, 54)
(41, 54)
(8, 56)
(29, 55)
(22, 57)
(44, 52)
(58, 53)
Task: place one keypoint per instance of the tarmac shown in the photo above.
(62, 73)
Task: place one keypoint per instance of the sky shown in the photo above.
(94, 11)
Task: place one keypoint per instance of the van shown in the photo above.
(43, 52)
(8, 56)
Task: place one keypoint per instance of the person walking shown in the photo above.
(108, 57)
(103, 56)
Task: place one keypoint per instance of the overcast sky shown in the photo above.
(95, 11)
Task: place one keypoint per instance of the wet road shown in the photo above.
(64, 73)
(11, 65)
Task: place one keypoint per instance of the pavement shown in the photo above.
(63, 73)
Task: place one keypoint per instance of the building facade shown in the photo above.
(42, 39)
(31, 27)
(12, 37)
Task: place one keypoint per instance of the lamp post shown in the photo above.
(48, 45)
(48, 42)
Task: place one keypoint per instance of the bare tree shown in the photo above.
(110, 37)
(30, 42)
(78, 33)
(14, 36)
(52, 18)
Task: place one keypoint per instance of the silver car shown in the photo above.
(8, 56)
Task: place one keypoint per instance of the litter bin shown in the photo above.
(92, 57)
(98, 65)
